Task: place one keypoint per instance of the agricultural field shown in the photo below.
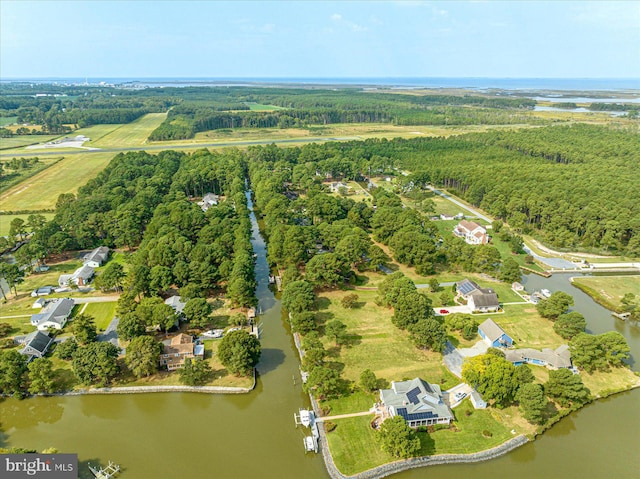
(41, 191)
(8, 120)
(608, 290)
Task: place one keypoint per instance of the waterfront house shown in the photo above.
(80, 277)
(494, 335)
(417, 401)
(484, 300)
(471, 232)
(54, 315)
(97, 257)
(178, 349)
(554, 359)
(36, 344)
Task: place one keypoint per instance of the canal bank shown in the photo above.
(252, 435)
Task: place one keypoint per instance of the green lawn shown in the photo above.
(377, 344)
(24, 140)
(8, 120)
(609, 290)
(102, 313)
(260, 107)
(5, 221)
(446, 207)
(355, 449)
(527, 328)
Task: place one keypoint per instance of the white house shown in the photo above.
(336, 185)
(54, 315)
(472, 232)
(80, 277)
(417, 401)
(176, 303)
(36, 344)
(97, 257)
(208, 200)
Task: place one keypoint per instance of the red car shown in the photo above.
(444, 311)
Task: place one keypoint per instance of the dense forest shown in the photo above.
(571, 186)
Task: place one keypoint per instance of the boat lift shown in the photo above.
(307, 418)
(105, 472)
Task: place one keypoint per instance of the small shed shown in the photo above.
(494, 335)
(477, 401)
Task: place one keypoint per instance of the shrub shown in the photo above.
(330, 426)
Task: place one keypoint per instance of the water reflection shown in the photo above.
(32, 412)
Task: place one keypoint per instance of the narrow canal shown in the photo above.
(182, 435)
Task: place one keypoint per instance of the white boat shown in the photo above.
(311, 444)
(304, 417)
(545, 292)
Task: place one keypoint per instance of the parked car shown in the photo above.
(444, 311)
(460, 396)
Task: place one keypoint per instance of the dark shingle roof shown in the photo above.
(38, 341)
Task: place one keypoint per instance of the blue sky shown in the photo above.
(319, 39)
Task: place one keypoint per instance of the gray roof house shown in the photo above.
(176, 303)
(494, 335)
(96, 257)
(483, 301)
(81, 276)
(556, 359)
(36, 344)
(208, 200)
(417, 401)
(466, 288)
(54, 315)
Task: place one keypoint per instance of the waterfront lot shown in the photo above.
(609, 290)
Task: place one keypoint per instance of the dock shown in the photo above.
(105, 472)
(622, 316)
(307, 418)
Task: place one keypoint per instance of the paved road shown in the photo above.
(453, 359)
(96, 299)
(110, 334)
(460, 204)
(179, 146)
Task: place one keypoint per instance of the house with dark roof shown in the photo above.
(54, 315)
(484, 300)
(97, 257)
(471, 232)
(494, 335)
(80, 277)
(554, 359)
(36, 344)
(417, 401)
(178, 349)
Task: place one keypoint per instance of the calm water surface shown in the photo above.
(196, 436)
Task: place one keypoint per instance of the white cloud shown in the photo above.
(354, 27)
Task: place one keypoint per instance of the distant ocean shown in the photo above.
(524, 84)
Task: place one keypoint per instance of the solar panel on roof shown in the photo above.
(415, 416)
(413, 395)
(465, 287)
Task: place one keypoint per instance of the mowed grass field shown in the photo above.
(5, 221)
(24, 140)
(131, 134)
(376, 344)
(609, 290)
(102, 313)
(41, 191)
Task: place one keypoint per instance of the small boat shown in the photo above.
(311, 444)
(304, 417)
(545, 292)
